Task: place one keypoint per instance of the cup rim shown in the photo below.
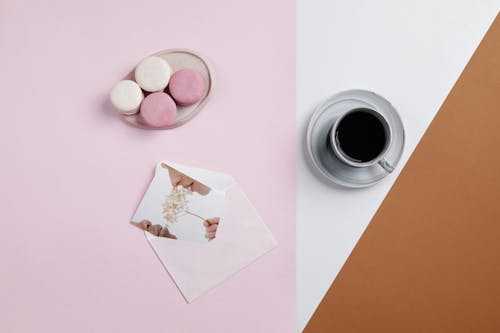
(346, 159)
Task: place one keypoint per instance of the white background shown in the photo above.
(410, 52)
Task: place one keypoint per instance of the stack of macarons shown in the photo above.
(157, 91)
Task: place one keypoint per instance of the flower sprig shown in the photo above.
(176, 204)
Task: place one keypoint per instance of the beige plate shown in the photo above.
(179, 59)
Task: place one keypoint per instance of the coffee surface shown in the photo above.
(361, 136)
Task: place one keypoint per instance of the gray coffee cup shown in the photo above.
(346, 158)
(326, 145)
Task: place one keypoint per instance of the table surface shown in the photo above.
(73, 172)
(409, 52)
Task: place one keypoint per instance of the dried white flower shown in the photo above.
(176, 203)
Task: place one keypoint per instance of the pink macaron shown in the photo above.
(187, 86)
(158, 109)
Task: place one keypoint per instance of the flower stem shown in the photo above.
(196, 215)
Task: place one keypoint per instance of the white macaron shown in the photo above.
(126, 97)
(153, 73)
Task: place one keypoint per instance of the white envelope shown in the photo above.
(241, 237)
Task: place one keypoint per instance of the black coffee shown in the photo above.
(361, 136)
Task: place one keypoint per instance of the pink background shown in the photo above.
(72, 173)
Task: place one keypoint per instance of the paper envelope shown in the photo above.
(241, 237)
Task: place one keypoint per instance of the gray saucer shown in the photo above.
(326, 163)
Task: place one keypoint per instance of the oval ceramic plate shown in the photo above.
(326, 163)
(179, 59)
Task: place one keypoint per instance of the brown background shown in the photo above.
(430, 259)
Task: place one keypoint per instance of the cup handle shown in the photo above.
(386, 165)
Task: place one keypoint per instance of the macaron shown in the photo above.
(187, 86)
(158, 109)
(153, 74)
(126, 96)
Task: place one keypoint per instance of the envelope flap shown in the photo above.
(215, 180)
